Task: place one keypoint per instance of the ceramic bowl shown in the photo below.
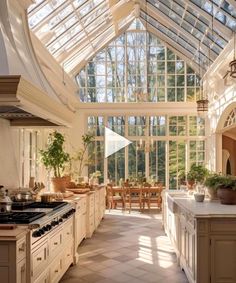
(199, 197)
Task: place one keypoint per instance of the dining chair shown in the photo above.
(155, 196)
(133, 196)
(145, 195)
(115, 195)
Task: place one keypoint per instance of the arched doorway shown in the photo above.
(226, 131)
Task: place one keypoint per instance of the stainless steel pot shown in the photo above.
(47, 198)
(23, 196)
(5, 201)
(5, 207)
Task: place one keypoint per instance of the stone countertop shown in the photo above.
(206, 209)
(13, 234)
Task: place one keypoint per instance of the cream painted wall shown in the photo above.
(9, 173)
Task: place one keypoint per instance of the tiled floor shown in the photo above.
(129, 248)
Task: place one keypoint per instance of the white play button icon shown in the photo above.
(114, 142)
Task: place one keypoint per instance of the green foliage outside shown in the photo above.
(197, 173)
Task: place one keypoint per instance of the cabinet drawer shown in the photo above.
(55, 244)
(223, 226)
(39, 259)
(68, 257)
(56, 270)
(21, 249)
(67, 231)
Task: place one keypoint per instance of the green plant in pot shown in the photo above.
(211, 183)
(81, 158)
(225, 186)
(196, 174)
(55, 158)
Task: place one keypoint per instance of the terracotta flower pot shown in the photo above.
(59, 184)
(190, 184)
(226, 195)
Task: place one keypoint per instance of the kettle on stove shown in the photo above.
(5, 201)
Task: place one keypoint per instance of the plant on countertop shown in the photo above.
(216, 181)
(54, 156)
(225, 186)
(80, 155)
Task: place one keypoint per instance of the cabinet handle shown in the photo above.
(56, 271)
(68, 254)
(68, 233)
(23, 269)
(56, 243)
(39, 258)
(21, 249)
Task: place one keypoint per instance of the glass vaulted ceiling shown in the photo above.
(73, 30)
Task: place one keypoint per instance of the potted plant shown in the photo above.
(211, 183)
(54, 158)
(225, 186)
(80, 159)
(196, 174)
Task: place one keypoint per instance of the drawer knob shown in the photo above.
(56, 271)
(22, 248)
(68, 233)
(39, 258)
(56, 243)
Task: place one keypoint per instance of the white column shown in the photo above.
(218, 152)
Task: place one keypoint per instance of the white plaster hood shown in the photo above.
(26, 105)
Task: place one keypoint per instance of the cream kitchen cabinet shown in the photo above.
(80, 221)
(90, 216)
(13, 268)
(187, 244)
(205, 241)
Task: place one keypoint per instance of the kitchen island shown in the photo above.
(203, 236)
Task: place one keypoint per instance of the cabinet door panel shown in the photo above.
(21, 272)
(223, 259)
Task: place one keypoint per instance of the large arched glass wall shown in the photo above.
(137, 67)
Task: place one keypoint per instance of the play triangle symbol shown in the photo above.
(114, 142)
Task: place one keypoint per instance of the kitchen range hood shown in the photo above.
(23, 104)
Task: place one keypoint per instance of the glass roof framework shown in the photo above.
(74, 30)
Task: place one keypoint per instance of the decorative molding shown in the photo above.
(16, 91)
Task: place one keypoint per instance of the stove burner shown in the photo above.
(19, 217)
(31, 204)
(54, 205)
(20, 205)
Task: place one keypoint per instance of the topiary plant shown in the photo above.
(54, 157)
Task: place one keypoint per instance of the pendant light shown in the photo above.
(202, 102)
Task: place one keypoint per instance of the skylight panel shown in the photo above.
(42, 13)
(78, 3)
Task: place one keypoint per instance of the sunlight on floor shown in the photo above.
(134, 213)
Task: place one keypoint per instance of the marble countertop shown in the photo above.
(206, 209)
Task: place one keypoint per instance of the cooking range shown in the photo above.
(40, 217)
